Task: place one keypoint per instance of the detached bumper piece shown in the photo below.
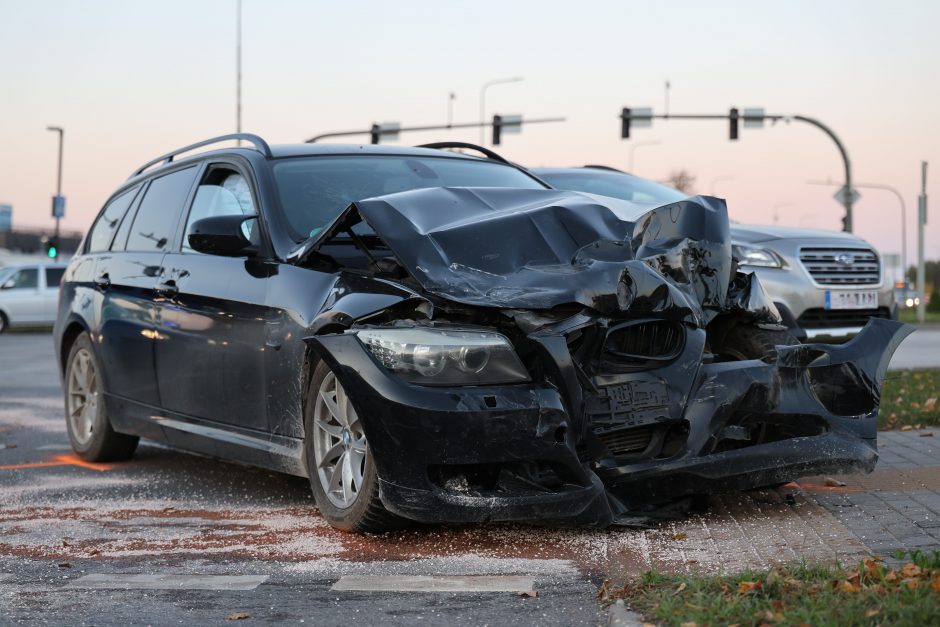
(622, 442)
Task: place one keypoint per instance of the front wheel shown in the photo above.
(342, 472)
(86, 420)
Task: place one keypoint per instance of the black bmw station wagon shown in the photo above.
(436, 336)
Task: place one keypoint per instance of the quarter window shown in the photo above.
(103, 231)
(159, 212)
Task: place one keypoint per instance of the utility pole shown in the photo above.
(921, 223)
(238, 72)
(58, 203)
(487, 85)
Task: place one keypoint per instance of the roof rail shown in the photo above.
(261, 145)
(485, 151)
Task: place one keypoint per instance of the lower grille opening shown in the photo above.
(497, 478)
(745, 430)
(656, 441)
(628, 441)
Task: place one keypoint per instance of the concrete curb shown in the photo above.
(619, 616)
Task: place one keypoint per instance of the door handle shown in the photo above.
(103, 281)
(168, 289)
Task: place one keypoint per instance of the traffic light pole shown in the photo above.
(58, 188)
(733, 117)
(375, 132)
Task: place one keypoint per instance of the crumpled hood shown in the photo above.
(538, 249)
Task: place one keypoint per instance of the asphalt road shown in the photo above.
(171, 537)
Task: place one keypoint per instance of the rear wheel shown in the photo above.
(4, 323)
(342, 472)
(86, 419)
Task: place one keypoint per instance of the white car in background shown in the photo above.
(29, 294)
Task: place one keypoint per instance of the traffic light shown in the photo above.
(625, 123)
(733, 130)
(52, 249)
(497, 128)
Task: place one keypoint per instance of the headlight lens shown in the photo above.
(429, 356)
(753, 256)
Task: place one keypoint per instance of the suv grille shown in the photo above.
(833, 318)
(841, 266)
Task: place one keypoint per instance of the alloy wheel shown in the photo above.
(339, 444)
(83, 396)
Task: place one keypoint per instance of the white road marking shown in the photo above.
(168, 582)
(440, 583)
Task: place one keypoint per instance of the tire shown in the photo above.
(4, 323)
(334, 436)
(746, 341)
(86, 418)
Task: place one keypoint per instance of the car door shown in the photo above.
(211, 320)
(21, 295)
(50, 293)
(127, 277)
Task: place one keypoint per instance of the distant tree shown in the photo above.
(934, 305)
(681, 180)
(931, 273)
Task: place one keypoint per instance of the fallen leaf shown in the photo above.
(238, 616)
(935, 584)
(94, 552)
(10, 445)
(930, 404)
(680, 536)
(748, 586)
(848, 587)
(604, 593)
(66, 544)
(912, 584)
(891, 577)
(682, 586)
(689, 624)
(872, 612)
(911, 570)
(927, 434)
(907, 428)
(64, 565)
(528, 593)
(173, 509)
(834, 483)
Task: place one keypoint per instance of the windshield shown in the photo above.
(314, 190)
(614, 184)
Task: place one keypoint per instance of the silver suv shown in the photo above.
(826, 284)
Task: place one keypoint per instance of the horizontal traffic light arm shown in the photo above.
(433, 127)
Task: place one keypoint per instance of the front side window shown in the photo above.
(223, 192)
(314, 190)
(613, 184)
(107, 224)
(27, 278)
(54, 276)
(159, 212)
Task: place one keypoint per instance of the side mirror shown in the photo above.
(227, 236)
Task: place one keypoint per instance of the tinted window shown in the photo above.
(613, 184)
(54, 276)
(103, 231)
(315, 190)
(26, 278)
(223, 192)
(155, 223)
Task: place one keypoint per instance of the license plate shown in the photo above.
(851, 300)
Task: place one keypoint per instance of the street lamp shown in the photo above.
(719, 179)
(633, 148)
(58, 187)
(486, 85)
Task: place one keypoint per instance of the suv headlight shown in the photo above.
(429, 356)
(753, 256)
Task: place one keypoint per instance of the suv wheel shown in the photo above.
(86, 419)
(3, 322)
(342, 472)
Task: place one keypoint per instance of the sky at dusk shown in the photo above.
(129, 80)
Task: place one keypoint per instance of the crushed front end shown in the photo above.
(617, 395)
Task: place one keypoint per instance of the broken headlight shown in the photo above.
(753, 256)
(445, 356)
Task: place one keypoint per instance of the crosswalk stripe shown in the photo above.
(435, 583)
(167, 582)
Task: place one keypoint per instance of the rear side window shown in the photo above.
(159, 212)
(103, 231)
(54, 276)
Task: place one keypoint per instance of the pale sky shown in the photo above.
(131, 79)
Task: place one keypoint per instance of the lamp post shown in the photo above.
(238, 70)
(633, 148)
(487, 85)
(58, 186)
